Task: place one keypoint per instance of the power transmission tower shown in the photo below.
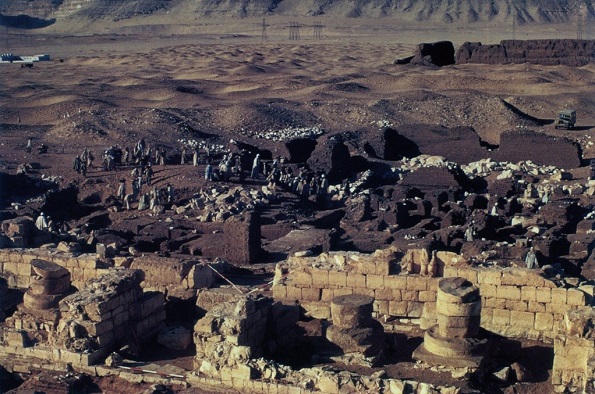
(294, 31)
(317, 31)
(264, 30)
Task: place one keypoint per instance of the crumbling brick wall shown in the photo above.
(112, 310)
(242, 239)
(574, 353)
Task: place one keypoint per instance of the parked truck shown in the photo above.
(566, 119)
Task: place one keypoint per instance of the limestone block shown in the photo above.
(395, 282)
(452, 347)
(575, 297)
(397, 308)
(319, 278)
(311, 294)
(544, 321)
(327, 295)
(410, 295)
(520, 306)
(509, 292)
(294, 293)
(337, 278)
(47, 270)
(279, 291)
(417, 283)
(374, 281)
(356, 280)
(415, 309)
(501, 317)
(427, 296)
(528, 293)
(535, 307)
(488, 290)
(489, 277)
(543, 294)
(456, 290)
(301, 278)
(579, 322)
(522, 319)
(559, 296)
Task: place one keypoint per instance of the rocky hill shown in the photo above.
(182, 11)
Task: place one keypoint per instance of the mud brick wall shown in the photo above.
(541, 149)
(112, 310)
(15, 266)
(242, 239)
(547, 52)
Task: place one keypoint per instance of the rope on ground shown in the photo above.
(224, 278)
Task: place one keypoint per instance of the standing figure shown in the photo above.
(256, 166)
(121, 193)
(29, 145)
(41, 222)
(209, 172)
(531, 259)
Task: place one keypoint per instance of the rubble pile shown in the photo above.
(285, 134)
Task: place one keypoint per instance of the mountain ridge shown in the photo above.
(181, 11)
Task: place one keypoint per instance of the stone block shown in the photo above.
(320, 278)
(410, 295)
(374, 281)
(415, 309)
(559, 296)
(300, 278)
(544, 321)
(528, 293)
(279, 291)
(468, 273)
(534, 306)
(501, 317)
(397, 308)
(395, 282)
(427, 296)
(294, 293)
(486, 316)
(381, 306)
(522, 319)
(488, 290)
(417, 283)
(310, 294)
(575, 297)
(556, 308)
(327, 295)
(520, 306)
(543, 294)
(383, 294)
(337, 278)
(356, 280)
(509, 292)
(489, 277)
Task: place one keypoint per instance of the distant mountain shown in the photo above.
(450, 11)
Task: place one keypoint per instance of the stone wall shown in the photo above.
(516, 302)
(548, 52)
(15, 265)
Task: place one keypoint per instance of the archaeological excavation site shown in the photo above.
(202, 197)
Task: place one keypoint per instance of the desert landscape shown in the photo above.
(328, 197)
